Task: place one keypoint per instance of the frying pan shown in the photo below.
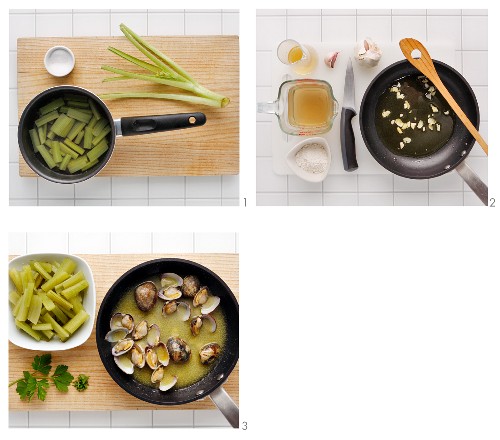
(451, 155)
(210, 385)
(129, 126)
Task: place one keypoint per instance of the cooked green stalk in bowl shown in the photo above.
(48, 299)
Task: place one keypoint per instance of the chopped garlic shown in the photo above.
(423, 128)
(394, 89)
(400, 95)
(406, 140)
(428, 95)
(401, 145)
(401, 115)
(392, 122)
(434, 108)
(431, 121)
(431, 89)
(446, 112)
(399, 130)
(413, 124)
(438, 127)
(431, 127)
(399, 122)
(426, 85)
(420, 124)
(386, 113)
(406, 105)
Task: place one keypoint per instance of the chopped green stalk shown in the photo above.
(25, 327)
(62, 333)
(51, 106)
(64, 109)
(59, 300)
(35, 139)
(46, 118)
(98, 151)
(49, 334)
(75, 97)
(73, 146)
(63, 125)
(58, 278)
(41, 270)
(92, 122)
(47, 326)
(101, 135)
(69, 313)
(75, 165)
(67, 265)
(77, 303)
(87, 138)
(51, 135)
(68, 151)
(74, 290)
(76, 278)
(15, 276)
(42, 133)
(94, 109)
(56, 152)
(64, 164)
(46, 301)
(17, 306)
(35, 309)
(14, 297)
(79, 138)
(47, 266)
(22, 314)
(90, 164)
(46, 156)
(59, 314)
(80, 115)
(77, 104)
(99, 126)
(75, 323)
(75, 130)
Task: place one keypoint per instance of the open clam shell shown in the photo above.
(153, 336)
(122, 320)
(137, 356)
(171, 307)
(162, 354)
(124, 364)
(201, 296)
(151, 358)
(157, 375)
(197, 322)
(140, 331)
(167, 382)
(170, 280)
(168, 308)
(122, 347)
(210, 305)
(116, 334)
(169, 293)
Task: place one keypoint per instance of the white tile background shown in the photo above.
(469, 28)
(112, 243)
(212, 190)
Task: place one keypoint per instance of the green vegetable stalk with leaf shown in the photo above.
(164, 71)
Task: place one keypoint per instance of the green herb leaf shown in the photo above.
(42, 363)
(42, 386)
(26, 387)
(81, 383)
(62, 378)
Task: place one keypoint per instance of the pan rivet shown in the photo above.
(199, 393)
(464, 153)
(192, 120)
(220, 376)
(447, 167)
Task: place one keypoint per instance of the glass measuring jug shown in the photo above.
(304, 107)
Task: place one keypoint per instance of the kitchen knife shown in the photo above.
(347, 140)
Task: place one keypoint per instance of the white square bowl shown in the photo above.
(310, 177)
(23, 340)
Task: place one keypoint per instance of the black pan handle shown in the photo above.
(347, 140)
(152, 124)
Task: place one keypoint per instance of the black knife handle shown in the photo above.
(347, 140)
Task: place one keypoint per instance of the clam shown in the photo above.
(142, 343)
(162, 354)
(190, 286)
(157, 374)
(153, 336)
(122, 347)
(178, 349)
(116, 335)
(209, 352)
(172, 306)
(201, 296)
(151, 358)
(124, 364)
(210, 305)
(197, 322)
(170, 280)
(145, 296)
(169, 293)
(140, 330)
(120, 321)
(167, 382)
(137, 356)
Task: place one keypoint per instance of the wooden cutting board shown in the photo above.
(103, 393)
(213, 61)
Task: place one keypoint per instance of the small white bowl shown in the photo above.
(23, 340)
(303, 174)
(59, 61)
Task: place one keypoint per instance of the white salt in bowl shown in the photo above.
(59, 61)
(303, 174)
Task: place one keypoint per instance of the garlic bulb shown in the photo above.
(331, 58)
(367, 52)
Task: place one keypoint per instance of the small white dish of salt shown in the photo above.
(310, 159)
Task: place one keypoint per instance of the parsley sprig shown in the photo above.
(38, 382)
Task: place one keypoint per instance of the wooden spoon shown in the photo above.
(426, 66)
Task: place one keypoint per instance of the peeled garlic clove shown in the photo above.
(367, 52)
(331, 58)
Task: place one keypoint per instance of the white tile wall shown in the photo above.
(105, 243)
(158, 191)
(466, 28)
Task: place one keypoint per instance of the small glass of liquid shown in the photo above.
(301, 58)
